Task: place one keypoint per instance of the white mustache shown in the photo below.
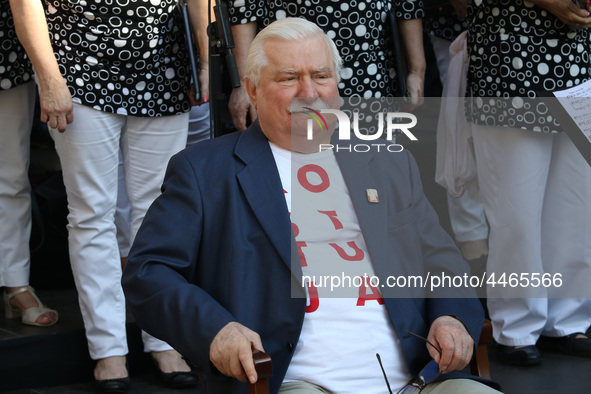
(297, 106)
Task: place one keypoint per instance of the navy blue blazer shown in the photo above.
(217, 247)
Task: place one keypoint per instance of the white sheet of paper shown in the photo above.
(577, 102)
(573, 109)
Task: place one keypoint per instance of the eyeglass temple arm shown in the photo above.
(384, 372)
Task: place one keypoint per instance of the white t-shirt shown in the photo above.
(344, 328)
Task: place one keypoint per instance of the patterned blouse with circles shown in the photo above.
(126, 57)
(360, 29)
(517, 50)
(15, 68)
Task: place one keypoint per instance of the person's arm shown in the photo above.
(411, 31)
(158, 281)
(239, 104)
(31, 28)
(199, 12)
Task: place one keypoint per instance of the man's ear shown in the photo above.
(252, 91)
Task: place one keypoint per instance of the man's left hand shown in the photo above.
(450, 336)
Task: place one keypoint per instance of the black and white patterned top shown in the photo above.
(447, 27)
(517, 50)
(126, 57)
(360, 29)
(15, 68)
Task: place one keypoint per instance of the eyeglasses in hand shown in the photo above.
(426, 376)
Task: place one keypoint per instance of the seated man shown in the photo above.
(212, 269)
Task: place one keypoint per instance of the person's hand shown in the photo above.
(461, 8)
(203, 76)
(56, 104)
(415, 85)
(240, 107)
(450, 336)
(204, 83)
(567, 11)
(231, 351)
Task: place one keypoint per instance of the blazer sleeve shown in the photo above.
(159, 274)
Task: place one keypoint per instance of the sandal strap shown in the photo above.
(33, 313)
(23, 289)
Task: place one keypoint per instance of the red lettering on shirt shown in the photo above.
(303, 178)
(358, 253)
(333, 217)
(314, 301)
(301, 245)
(364, 296)
(296, 229)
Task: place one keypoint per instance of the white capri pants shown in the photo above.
(89, 155)
(536, 190)
(16, 116)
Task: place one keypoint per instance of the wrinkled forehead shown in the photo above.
(311, 52)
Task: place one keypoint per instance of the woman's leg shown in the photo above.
(566, 239)
(16, 113)
(16, 117)
(513, 168)
(147, 145)
(88, 152)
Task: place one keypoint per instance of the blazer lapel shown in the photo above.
(260, 182)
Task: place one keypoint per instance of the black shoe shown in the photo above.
(109, 386)
(178, 379)
(519, 355)
(175, 379)
(568, 344)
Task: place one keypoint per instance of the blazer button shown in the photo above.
(289, 347)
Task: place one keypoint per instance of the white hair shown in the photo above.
(289, 29)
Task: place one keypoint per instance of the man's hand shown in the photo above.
(240, 107)
(450, 336)
(231, 352)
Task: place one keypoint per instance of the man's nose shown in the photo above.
(307, 88)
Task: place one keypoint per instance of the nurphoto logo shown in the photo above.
(395, 121)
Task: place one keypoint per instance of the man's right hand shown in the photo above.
(231, 351)
(240, 107)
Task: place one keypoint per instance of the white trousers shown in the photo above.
(16, 117)
(89, 155)
(199, 130)
(536, 190)
(467, 218)
(199, 124)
